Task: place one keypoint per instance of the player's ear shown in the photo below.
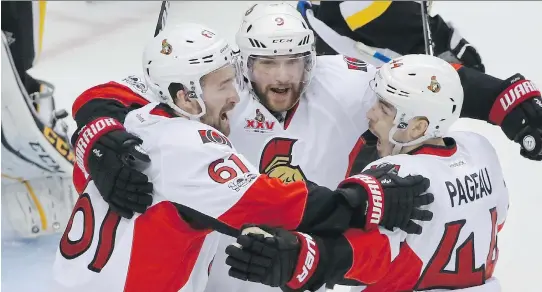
(419, 126)
(187, 104)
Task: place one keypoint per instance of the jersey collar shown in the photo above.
(443, 151)
(163, 110)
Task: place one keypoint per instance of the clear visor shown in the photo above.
(225, 76)
(280, 70)
(224, 79)
(218, 89)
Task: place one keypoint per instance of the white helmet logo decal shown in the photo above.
(434, 86)
(166, 47)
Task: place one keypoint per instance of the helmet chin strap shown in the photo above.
(398, 146)
(184, 113)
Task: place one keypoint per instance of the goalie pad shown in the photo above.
(37, 158)
(37, 207)
(31, 147)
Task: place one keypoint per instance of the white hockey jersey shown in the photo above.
(318, 142)
(458, 249)
(193, 165)
(316, 137)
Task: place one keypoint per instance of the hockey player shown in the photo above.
(37, 158)
(329, 108)
(312, 136)
(201, 183)
(457, 250)
(392, 28)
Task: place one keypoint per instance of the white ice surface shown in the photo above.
(90, 43)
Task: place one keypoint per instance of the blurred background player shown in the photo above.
(392, 27)
(458, 250)
(37, 158)
(23, 24)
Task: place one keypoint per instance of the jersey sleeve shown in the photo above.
(220, 183)
(358, 257)
(214, 184)
(364, 258)
(480, 92)
(111, 99)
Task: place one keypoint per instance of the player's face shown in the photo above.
(381, 117)
(278, 80)
(220, 96)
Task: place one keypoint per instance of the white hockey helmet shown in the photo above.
(181, 56)
(275, 29)
(420, 86)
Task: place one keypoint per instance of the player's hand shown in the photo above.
(114, 160)
(519, 114)
(530, 141)
(459, 50)
(274, 257)
(393, 201)
(529, 135)
(115, 164)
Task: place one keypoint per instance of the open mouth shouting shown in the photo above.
(281, 90)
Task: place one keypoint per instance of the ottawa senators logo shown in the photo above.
(434, 86)
(277, 158)
(212, 136)
(166, 47)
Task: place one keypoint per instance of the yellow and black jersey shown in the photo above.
(395, 25)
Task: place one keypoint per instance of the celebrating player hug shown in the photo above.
(417, 103)
(223, 170)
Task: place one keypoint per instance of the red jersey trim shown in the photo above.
(371, 255)
(269, 201)
(164, 250)
(289, 115)
(161, 110)
(442, 151)
(456, 66)
(111, 90)
(354, 154)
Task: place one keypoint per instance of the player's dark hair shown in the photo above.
(173, 88)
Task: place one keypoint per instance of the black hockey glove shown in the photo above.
(392, 201)
(458, 49)
(518, 110)
(277, 258)
(114, 160)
